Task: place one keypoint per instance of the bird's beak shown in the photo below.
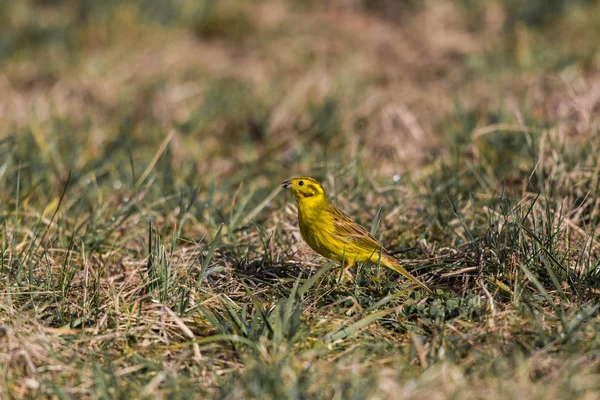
(286, 184)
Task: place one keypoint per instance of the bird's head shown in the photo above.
(304, 188)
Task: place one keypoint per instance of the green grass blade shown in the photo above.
(211, 251)
(346, 331)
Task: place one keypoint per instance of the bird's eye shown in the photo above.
(301, 183)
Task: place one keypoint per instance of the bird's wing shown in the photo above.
(349, 230)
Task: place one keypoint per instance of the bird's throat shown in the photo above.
(309, 208)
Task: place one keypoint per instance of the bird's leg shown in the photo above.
(343, 265)
(345, 274)
(347, 271)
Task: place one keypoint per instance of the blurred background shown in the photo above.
(283, 87)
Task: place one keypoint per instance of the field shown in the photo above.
(147, 250)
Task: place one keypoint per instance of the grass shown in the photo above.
(147, 252)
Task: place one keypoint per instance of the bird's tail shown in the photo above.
(390, 262)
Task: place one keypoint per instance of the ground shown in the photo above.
(148, 252)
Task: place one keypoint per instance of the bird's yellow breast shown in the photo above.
(318, 230)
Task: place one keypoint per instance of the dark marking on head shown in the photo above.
(309, 191)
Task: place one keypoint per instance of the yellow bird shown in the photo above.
(333, 234)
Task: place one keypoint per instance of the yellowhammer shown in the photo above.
(333, 234)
